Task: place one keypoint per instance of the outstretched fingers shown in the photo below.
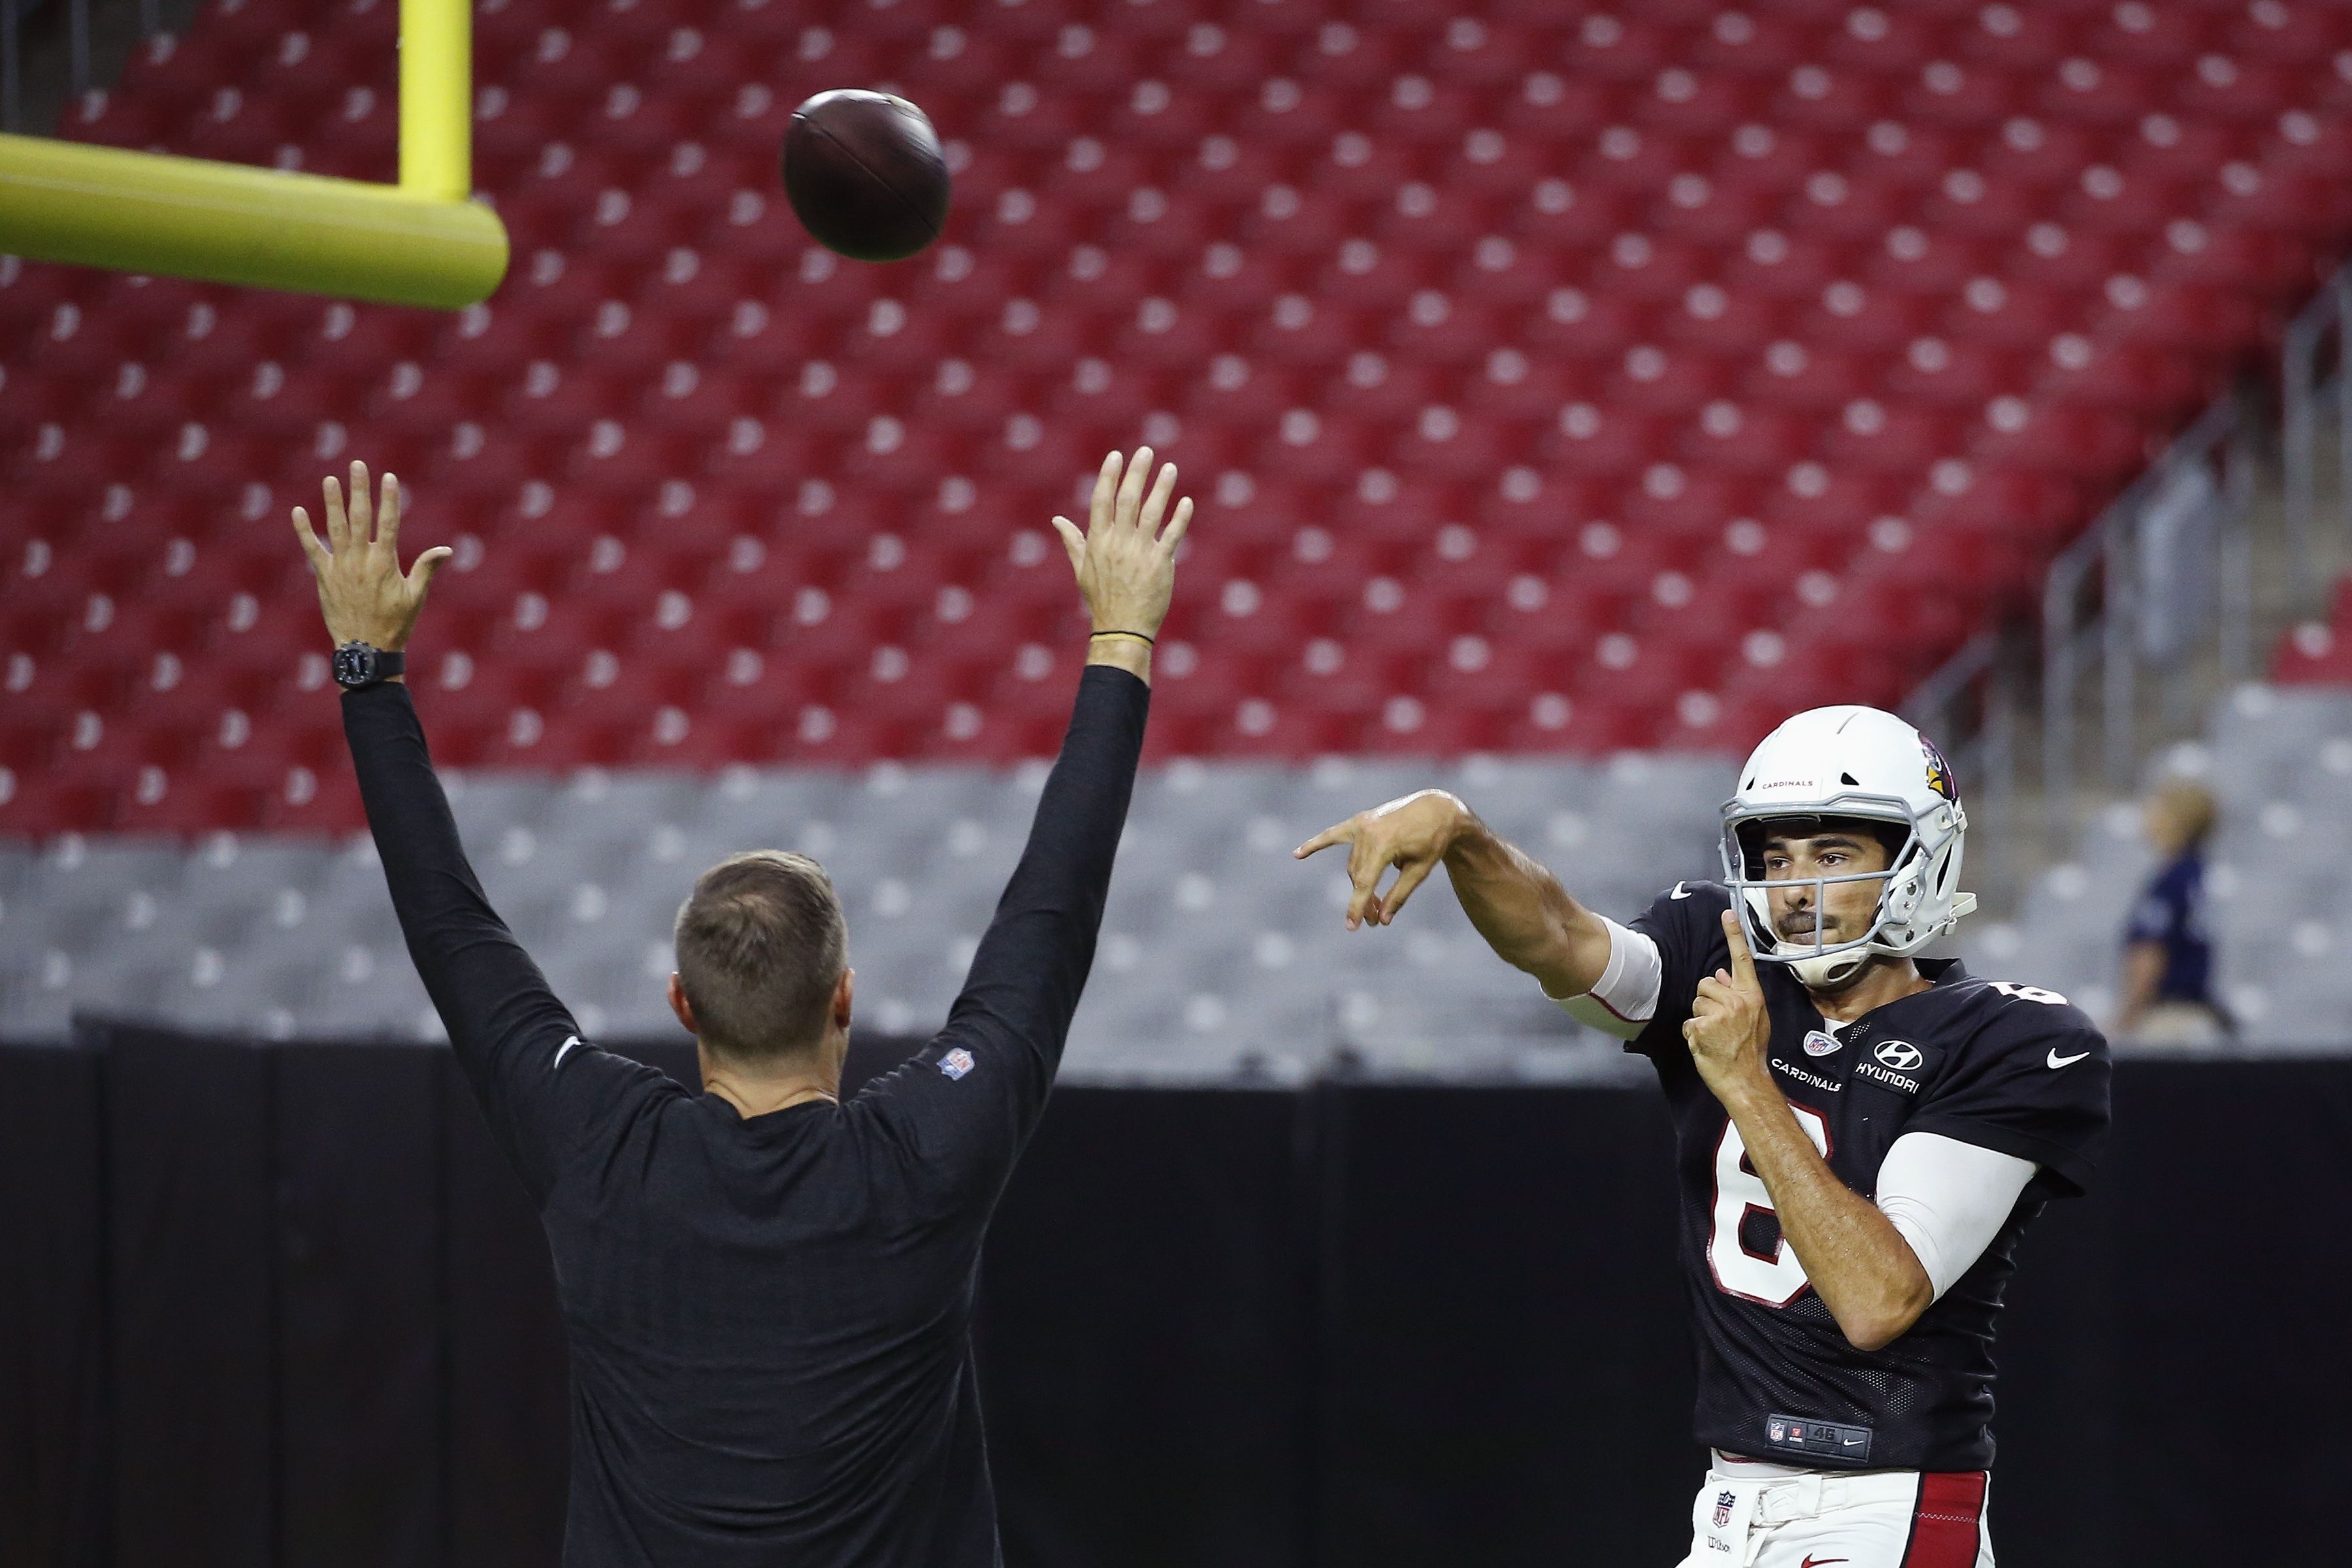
(1074, 543)
(1130, 489)
(1337, 833)
(1182, 520)
(1106, 495)
(339, 526)
(362, 505)
(420, 574)
(313, 549)
(1155, 505)
(387, 520)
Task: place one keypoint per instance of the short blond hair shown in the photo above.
(2190, 804)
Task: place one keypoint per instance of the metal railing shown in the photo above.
(54, 52)
(2140, 610)
(2161, 583)
(2162, 578)
(2302, 383)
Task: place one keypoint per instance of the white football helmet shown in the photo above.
(1850, 762)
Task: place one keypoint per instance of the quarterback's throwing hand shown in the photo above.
(1728, 1028)
(1412, 833)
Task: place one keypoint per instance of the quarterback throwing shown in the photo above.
(1862, 1135)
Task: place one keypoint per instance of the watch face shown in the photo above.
(354, 664)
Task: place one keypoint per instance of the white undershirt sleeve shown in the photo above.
(1625, 998)
(1949, 1199)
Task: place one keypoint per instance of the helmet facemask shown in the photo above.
(1889, 929)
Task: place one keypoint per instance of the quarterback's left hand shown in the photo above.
(1730, 1029)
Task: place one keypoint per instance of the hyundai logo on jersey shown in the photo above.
(1900, 1054)
(1820, 1043)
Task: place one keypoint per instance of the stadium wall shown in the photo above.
(281, 1305)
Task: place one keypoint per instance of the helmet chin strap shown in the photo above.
(1828, 971)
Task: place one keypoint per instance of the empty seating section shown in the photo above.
(1553, 377)
(1220, 955)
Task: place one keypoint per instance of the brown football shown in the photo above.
(865, 175)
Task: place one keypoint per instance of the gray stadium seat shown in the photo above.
(1221, 960)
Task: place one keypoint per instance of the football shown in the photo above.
(865, 175)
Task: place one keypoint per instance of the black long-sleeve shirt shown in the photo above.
(768, 1317)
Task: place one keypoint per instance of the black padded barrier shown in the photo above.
(54, 1422)
(279, 1306)
(504, 1359)
(192, 1300)
(361, 1386)
(1146, 1333)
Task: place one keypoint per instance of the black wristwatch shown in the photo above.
(359, 665)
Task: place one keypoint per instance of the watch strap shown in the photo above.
(382, 665)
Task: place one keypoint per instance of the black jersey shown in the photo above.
(2008, 1067)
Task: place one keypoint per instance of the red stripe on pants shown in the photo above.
(1949, 1522)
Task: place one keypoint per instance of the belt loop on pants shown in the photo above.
(1798, 1497)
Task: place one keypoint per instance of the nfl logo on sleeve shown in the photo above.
(1723, 1501)
(957, 1062)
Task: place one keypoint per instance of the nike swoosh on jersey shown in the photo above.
(568, 1041)
(1679, 892)
(2058, 1061)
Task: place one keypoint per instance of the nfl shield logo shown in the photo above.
(957, 1062)
(1779, 1431)
(1723, 1501)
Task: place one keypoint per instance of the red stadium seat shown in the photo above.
(1494, 336)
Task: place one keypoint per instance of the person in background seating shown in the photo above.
(2168, 992)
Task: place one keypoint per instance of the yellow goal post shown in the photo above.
(420, 242)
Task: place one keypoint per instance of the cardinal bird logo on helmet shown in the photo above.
(1940, 773)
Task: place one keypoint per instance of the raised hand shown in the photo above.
(1730, 1026)
(1126, 564)
(362, 591)
(1412, 833)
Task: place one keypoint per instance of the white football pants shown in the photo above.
(1751, 1515)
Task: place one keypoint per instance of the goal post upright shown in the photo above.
(437, 92)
